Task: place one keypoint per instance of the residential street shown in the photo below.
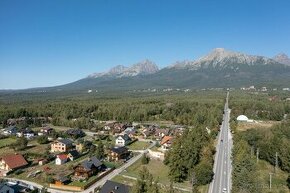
(223, 164)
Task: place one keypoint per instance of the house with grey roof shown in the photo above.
(114, 187)
(88, 168)
(122, 140)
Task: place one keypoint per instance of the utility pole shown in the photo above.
(258, 154)
(252, 151)
(276, 162)
(270, 180)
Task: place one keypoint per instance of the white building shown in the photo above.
(122, 140)
(61, 159)
(242, 118)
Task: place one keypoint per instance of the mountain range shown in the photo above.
(219, 68)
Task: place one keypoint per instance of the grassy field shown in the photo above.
(138, 145)
(6, 142)
(256, 125)
(158, 170)
(278, 179)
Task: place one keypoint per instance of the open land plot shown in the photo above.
(256, 125)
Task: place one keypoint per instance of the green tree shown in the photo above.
(100, 152)
(20, 144)
(42, 139)
(204, 173)
(145, 183)
(145, 159)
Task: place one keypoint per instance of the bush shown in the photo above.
(49, 179)
(18, 172)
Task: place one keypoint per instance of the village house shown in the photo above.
(130, 131)
(166, 143)
(109, 126)
(80, 147)
(6, 187)
(160, 133)
(118, 153)
(88, 168)
(75, 133)
(119, 127)
(114, 187)
(61, 159)
(62, 145)
(27, 133)
(149, 131)
(45, 131)
(122, 140)
(11, 162)
(72, 155)
(41, 161)
(12, 130)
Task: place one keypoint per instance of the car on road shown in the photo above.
(224, 190)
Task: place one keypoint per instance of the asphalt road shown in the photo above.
(223, 164)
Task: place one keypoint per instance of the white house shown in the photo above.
(61, 159)
(122, 140)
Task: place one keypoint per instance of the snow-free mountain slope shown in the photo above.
(142, 68)
(282, 58)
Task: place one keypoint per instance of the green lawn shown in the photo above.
(138, 145)
(83, 183)
(157, 169)
(6, 141)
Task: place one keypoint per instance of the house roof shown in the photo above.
(73, 153)
(166, 139)
(11, 128)
(65, 141)
(88, 164)
(62, 179)
(125, 137)
(114, 187)
(14, 161)
(4, 187)
(62, 156)
(119, 150)
(165, 131)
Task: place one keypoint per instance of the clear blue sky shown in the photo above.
(46, 43)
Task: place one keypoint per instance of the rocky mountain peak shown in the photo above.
(282, 58)
(141, 68)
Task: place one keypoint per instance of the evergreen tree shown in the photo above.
(100, 152)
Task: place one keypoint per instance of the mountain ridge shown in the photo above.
(219, 68)
(144, 67)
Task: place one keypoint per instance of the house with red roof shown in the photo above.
(12, 162)
(61, 159)
(166, 142)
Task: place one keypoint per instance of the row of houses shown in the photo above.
(29, 133)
